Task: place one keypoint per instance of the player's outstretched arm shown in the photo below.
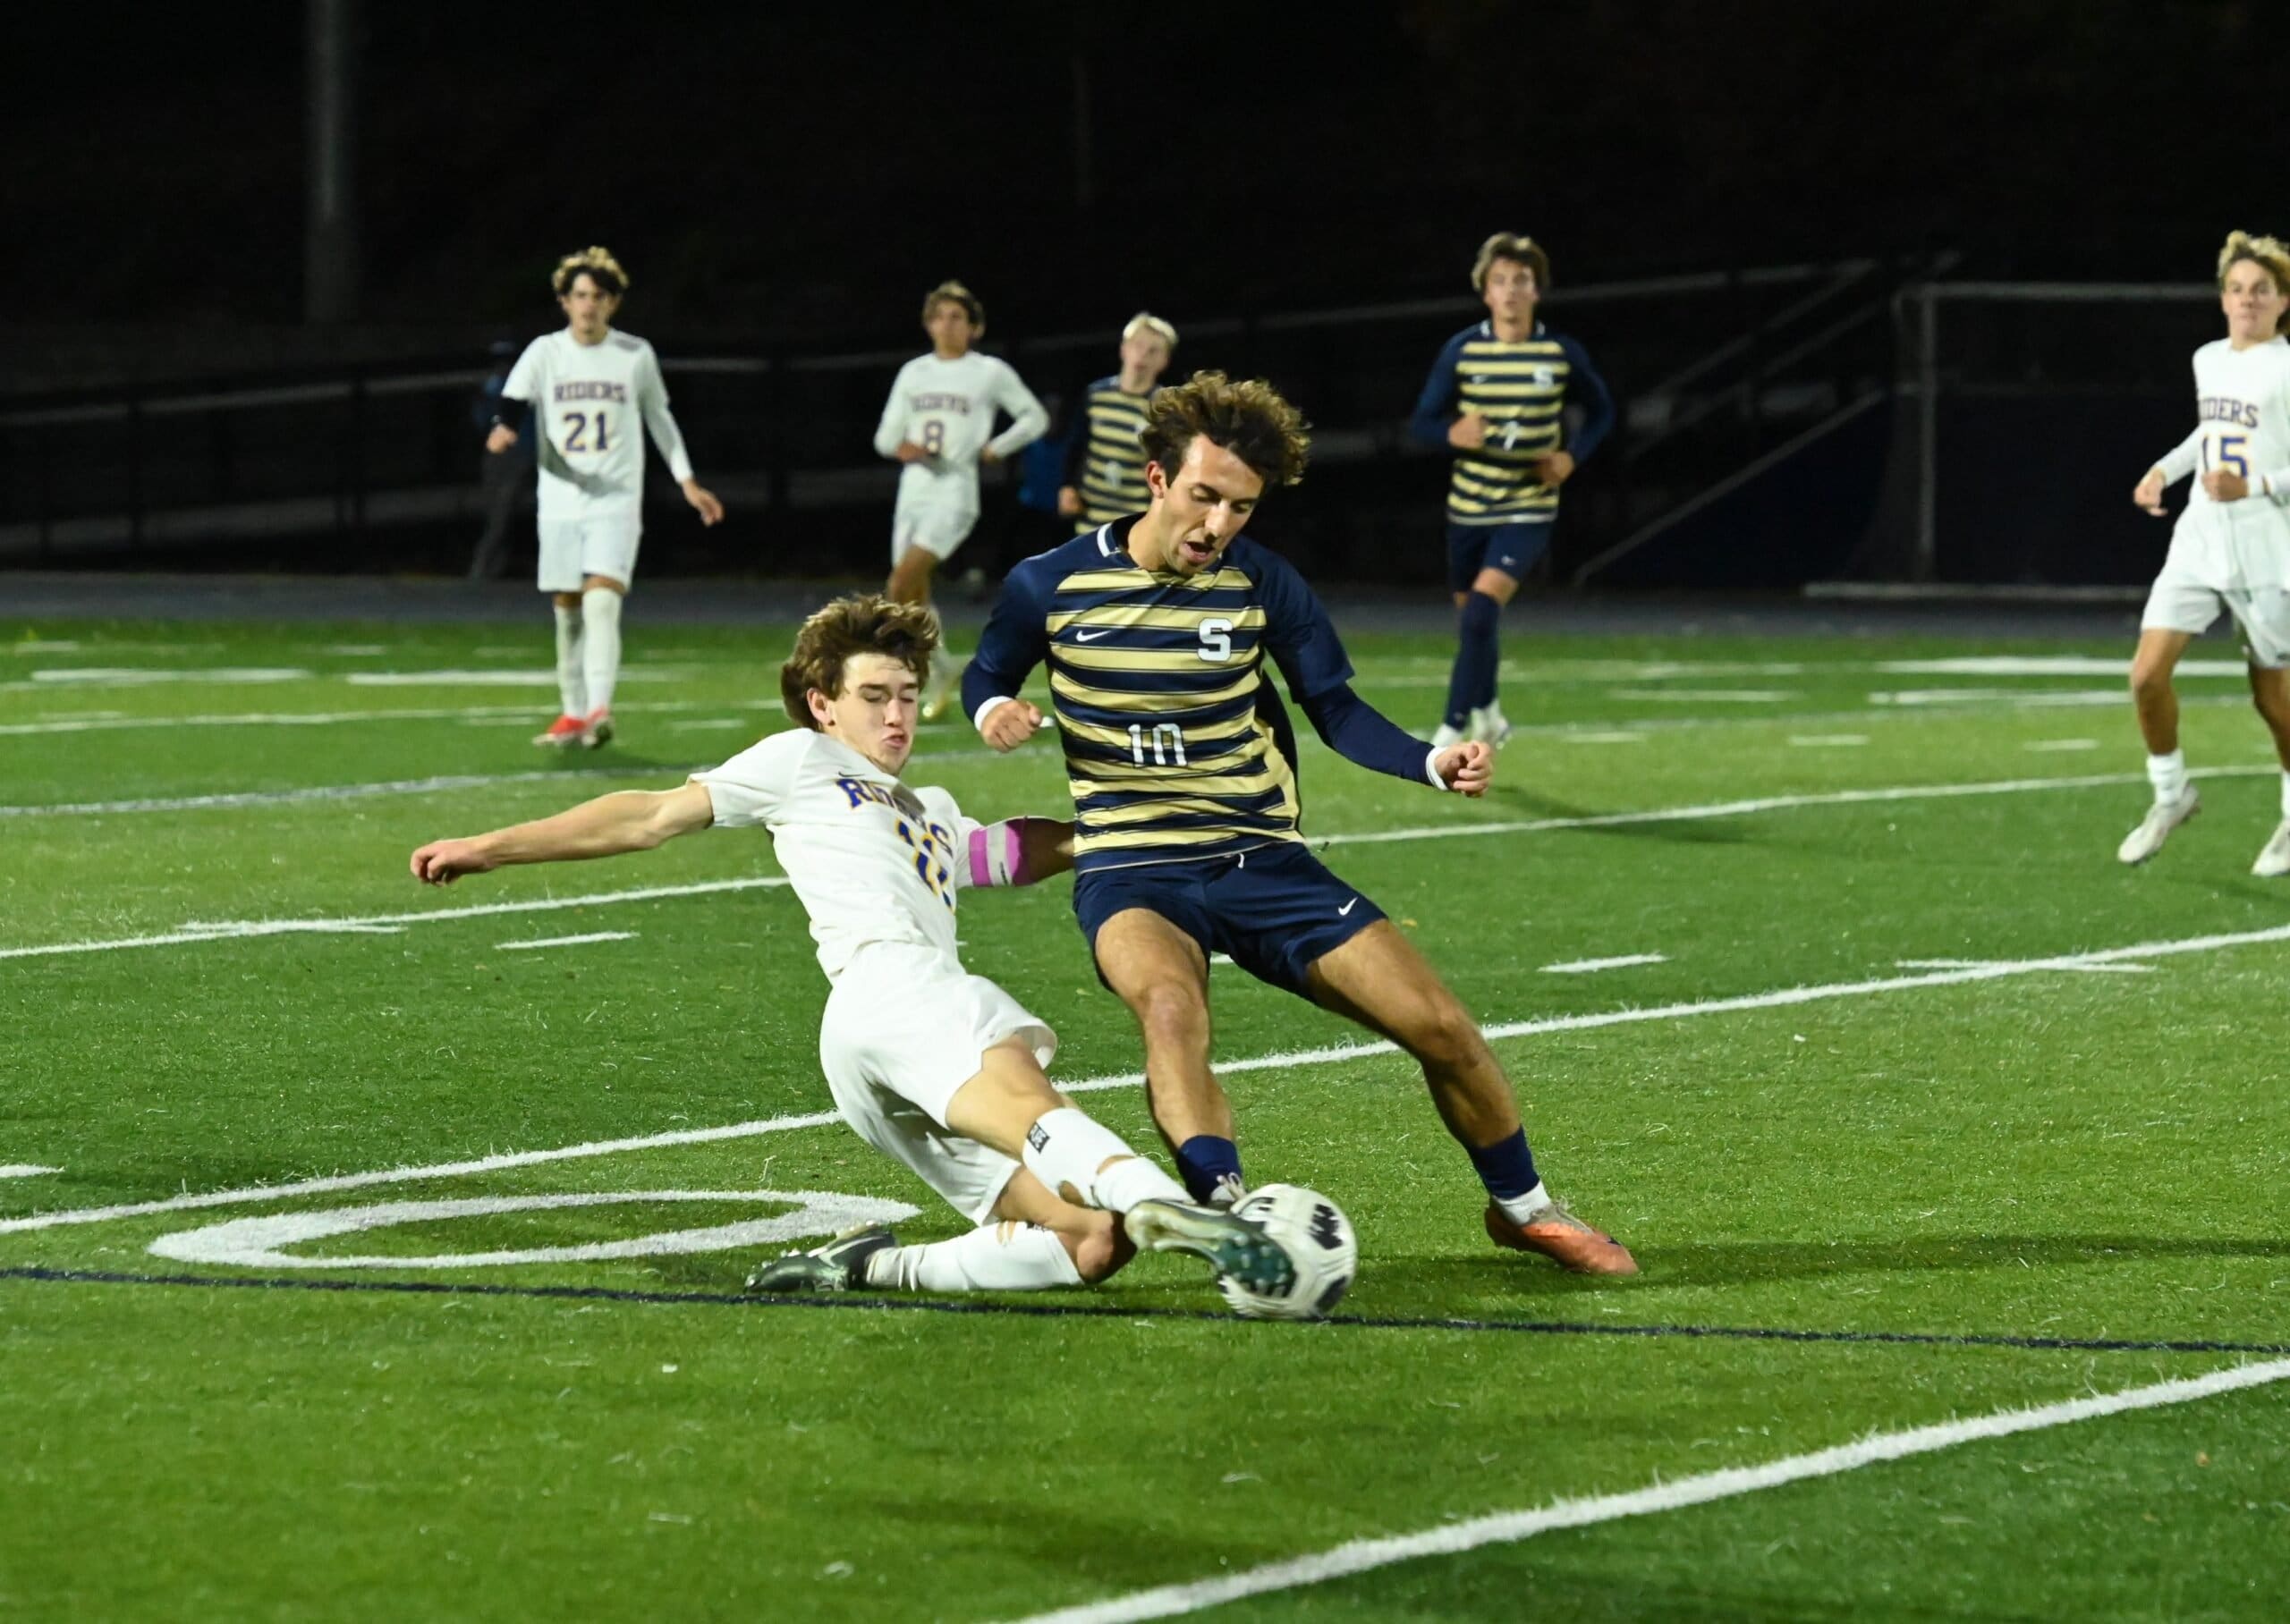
(1013, 644)
(1021, 851)
(630, 820)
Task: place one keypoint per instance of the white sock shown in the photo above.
(1065, 1149)
(2168, 773)
(600, 652)
(2285, 797)
(571, 692)
(998, 1257)
(1522, 1209)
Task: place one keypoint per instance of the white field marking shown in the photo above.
(97, 721)
(41, 646)
(258, 1243)
(697, 722)
(1332, 1053)
(1961, 964)
(310, 792)
(2042, 745)
(594, 935)
(1617, 738)
(231, 930)
(1822, 741)
(356, 649)
(2047, 665)
(145, 676)
(26, 1169)
(1715, 696)
(1220, 957)
(495, 679)
(2018, 698)
(1583, 967)
(1703, 1488)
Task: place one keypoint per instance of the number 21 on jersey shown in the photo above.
(577, 425)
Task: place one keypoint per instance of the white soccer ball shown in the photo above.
(1318, 1237)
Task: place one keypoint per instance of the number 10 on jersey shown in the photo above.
(1166, 742)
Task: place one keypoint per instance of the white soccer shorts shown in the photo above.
(2262, 615)
(572, 548)
(937, 531)
(906, 1027)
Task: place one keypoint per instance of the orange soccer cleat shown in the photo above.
(562, 732)
(1562, 1238)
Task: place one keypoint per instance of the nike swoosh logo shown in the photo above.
(1347, 908)
(1091, 637)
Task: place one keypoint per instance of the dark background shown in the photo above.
(784, 168)
(784, 182)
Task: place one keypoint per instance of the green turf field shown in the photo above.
(1811, 958)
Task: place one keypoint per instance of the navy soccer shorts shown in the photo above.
(1276, 910)
(1512, 549)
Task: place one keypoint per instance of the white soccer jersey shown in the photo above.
(947, 408)
(2243, 403)
(872, 859)
(593, 403)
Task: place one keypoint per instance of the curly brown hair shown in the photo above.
(602, 269)
(1519, 249)
(1250, 419)
(953, 292)
(862, 624)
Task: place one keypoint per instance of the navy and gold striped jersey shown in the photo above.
(1520, 386)
(1105, 460)
(1176, 746)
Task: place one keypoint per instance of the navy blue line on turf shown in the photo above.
(925, 1304)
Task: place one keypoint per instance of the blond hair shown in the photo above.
(1250, 419)
(1516, 247)
(862, 623)
(2269, 254)
(953, 292)
(1145, 321)
(603, 269)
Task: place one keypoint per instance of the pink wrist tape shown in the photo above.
(997, 854)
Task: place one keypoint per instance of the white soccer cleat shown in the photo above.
(1443, 736)
(2274, 856)
(2155, 828)
(945, 692)
(1489, 726)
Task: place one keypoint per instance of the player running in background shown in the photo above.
(1105, 461)
(593, 394)
(2230, 550)
(1494, 399)
(1183, 769)
(938, 423)
(937, 1068)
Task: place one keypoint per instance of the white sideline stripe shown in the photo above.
(26, 1169)
(1505, 1527)
(1605, 820)
(594, 935)
(106, 720)
(235, 929)
(1817, 742)
(310, 792)
(1259, 1063)
(1583, 967)
(2061, 744)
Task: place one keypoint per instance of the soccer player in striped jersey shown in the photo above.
(1157, 629)
(938, 425)
(2230, 550)
(1105, 461)
(1494, 399)
(592, 392)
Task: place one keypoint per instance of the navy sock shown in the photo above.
(1506, 1167)
(1473, 683)
(1204, 1162)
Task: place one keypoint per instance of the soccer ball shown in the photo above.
(1318, 1237)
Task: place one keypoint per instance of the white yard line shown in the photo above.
(1824, 741)
(320, 792)
(238, 929)
(1460, 830)
(26, 1169)
(1583, 967)
(594, 935)
(1776, 999)
(1703, 1488)
(98, 721)
(2061, 744)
